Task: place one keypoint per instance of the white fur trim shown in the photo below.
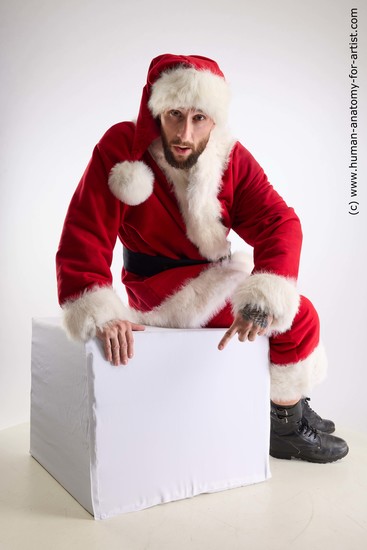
(191, 307)
(289, 382)
(131, 182)
(186, 88)
(200, 298)
(197, 192)
(81, 317)
(274, 294)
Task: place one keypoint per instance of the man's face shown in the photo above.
(185, 133)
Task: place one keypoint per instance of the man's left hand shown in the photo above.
(246, 330)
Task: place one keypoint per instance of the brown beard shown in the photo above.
(190, 161)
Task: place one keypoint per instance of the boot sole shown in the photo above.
(289, 456)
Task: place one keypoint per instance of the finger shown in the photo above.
(107, 348)
(243, 335)
(137, 327)
(122, 348)
(115, 349)
(253, 333)
(227, 337)
(105, 340)
(130, 343)
(265, 330)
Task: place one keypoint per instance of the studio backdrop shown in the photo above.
(71, 69)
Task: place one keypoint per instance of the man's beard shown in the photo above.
(188, 162)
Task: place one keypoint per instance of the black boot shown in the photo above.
(321, 424)
(292, 437)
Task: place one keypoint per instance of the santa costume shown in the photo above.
(174, 224)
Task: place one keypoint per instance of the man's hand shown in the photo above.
(246, 330)
(118, 341)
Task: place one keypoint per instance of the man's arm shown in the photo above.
(90, 305)
(263, 219)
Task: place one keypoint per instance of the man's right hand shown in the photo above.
(118, 341)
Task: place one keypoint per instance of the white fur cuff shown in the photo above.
(274, 294)
(289, 382)
(81, 317)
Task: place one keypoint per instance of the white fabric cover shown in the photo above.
(181, 419)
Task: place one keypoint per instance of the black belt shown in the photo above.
(145, 265)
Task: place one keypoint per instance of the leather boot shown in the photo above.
(321, 424)
(291, 436)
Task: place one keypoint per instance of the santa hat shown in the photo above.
(197, 82)
(179, 81)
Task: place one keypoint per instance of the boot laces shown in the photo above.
(305, 429)
(315, 415)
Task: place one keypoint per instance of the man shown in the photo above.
(171, 186)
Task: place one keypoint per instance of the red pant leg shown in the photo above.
(297, 343)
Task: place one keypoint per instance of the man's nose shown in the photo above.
(185, 130)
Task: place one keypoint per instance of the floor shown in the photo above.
(303, 506)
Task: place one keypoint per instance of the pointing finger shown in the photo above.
(227, 337)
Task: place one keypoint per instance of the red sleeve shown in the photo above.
(89, 234)
(263, 219)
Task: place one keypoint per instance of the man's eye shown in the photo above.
(199, 118)
(175, 113)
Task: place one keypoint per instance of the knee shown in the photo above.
(307, 315)
(300, 340)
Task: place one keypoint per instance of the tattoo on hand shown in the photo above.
(256, 315)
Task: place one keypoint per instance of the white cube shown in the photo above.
(182, 418)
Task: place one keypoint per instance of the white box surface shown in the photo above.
(180, 419)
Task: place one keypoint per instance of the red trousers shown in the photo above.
(292, 346)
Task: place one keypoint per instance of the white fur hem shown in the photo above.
(290, 382)
(96, 307)
(186, 88)
(202, 297)
(274, 294)
(131, 182)
(190, 307)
